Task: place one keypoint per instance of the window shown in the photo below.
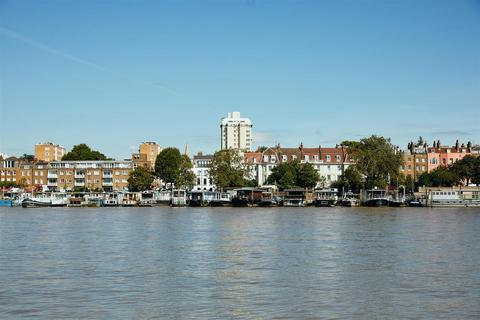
(294, 157)
(284, 158)
(329, 158)
(337, 157)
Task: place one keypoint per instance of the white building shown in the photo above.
(200, 169)
(236, 132)
(329, 162)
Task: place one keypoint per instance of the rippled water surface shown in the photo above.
(186, 263)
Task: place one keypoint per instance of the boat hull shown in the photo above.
(325, 203)
(29, 203)
(381, 202)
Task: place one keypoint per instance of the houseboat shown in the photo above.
(376, 198)
(54, 199)
(246, 197)
(200, 198)
(349, 199)
(111, 200)
(130, 199)
(297, 197)
(179, 198)
(451, 197)
(326, 197)
(268, 197)
(163, 197)
(221, 199)
(147, 199)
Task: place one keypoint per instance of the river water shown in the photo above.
(226, 263)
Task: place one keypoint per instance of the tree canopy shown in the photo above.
(376, 160)
(185, 177)
(227, 169)
(140, 179)
(467, 168)
(350, 180)
(83, 152)
(167, 165)
(294, 174)
(440, 177)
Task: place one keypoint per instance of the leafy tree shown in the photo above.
(83, 152)
(351, 180)
(139, 179)
(294, 174)
(167, 165)
(27, 157)
(440, 177)
(251, 183)
(227, 169)
(307, 176)
(186, 177)
(377, 160)
(466, 168)
(284, 175)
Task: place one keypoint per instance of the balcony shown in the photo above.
(79, 184)
(79, 175)
(107, 184)
(52, 176)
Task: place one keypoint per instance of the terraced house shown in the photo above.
(329, 162)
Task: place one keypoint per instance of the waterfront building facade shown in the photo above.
(201, 170)
(329, 162)
(236, 132)
(48, 151)
(94, 175)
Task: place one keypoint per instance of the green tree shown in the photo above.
(27, 157)
(227, 170)
(307, 176)
(83, 152)
(186, 177)
(139, 179)
(294, 174)
(167, 165)
(284, 176)
(466, 168)
(440, 177)
(376, 160)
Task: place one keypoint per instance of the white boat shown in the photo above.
(451, 197)
(326, 197)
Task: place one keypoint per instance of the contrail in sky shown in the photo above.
(11, 34)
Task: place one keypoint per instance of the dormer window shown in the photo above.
(328, 158)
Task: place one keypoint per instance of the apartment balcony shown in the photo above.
(107, 184)
(79, 184)
(79, 175)
(52, 183)
(52, 176)
(107, 175)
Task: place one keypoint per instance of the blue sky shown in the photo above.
(115, 73)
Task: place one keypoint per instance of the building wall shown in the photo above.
(201, 171)
(236, 132)
(151, 151)
(414, 164)
(329, 162)
(48, 151)
(101, 175)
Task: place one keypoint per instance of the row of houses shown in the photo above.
(112, 175)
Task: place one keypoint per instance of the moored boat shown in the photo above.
(376, 198)
(326, 197)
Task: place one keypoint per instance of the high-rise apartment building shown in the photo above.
(236, 132)
(48, 151)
